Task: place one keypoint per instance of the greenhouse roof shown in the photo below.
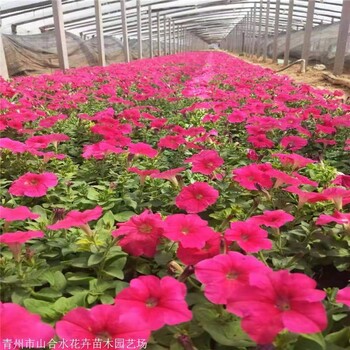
(211, 20)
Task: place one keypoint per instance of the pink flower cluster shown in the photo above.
(267, 301)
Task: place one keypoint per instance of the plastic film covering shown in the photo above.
(322, 49)
(37, 54)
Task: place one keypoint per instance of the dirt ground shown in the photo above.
(312, 76)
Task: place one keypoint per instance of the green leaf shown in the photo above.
(81, 262)
(340, 338)
(108, 219)
(95, 259)
(115, 269)
(47, 294)
(60, 281)
(223, 327)
(40, 307)
(63, 305)
(78, 277)
(175, 345)
(162, 257)
(314, 341)
(124, 216)
(107, 299)
(19, 295)
(130, 202)
(92, 194)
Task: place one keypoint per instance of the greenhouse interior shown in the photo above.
(175, 175)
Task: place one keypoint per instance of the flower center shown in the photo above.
(245, 237)
(104, 335)
(185, 230)
(152, 302)
(32, 182)
(145, 228)
(283, 304)
(199, 196)
(232, 275)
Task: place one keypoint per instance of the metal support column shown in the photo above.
(254, 30)
(275, 34)
(158, 34)
(150, 31)
(3, 65)
(169, 36)
(260, 30)
(289, 32)
(267, 19)
(249, 48)
(125, 31)
(60, 34)
(173, 36)
(139, 26)
(308, 30)
(343, 36)
(164, 34)
(177, 39)
(99, 33)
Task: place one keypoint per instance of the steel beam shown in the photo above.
(60, 34)
(343, 37)
(139, 28)
(125, 31)
(150, 31)
(289, 32)
(308, 31)
(158, 34)
(164, 33)
(3, 65)
(275, 34)
(99, 33)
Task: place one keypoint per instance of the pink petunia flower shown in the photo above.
(343, 296)
(142, 148)
(338, 195)
(237, 117)
(33, 185)
(260, 141)
(100, 150)
(102, 322)
(188, 229)
(20, 326)
(205, 162)
(272, 218)
(77, 218)
(171, 141)
(156, 301)
(306, 197)
(143, 173)
(248, 235)
(141, 234)
(191, 256)
(293, 143)
(196, 197)
(273, 301)
(18, 213)
(222, 273)
(337, 217)
(253, 175)
(43, 141)
(294, 160)
(169, 175)
(342, 180)
(15, 240)
(12, 145)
